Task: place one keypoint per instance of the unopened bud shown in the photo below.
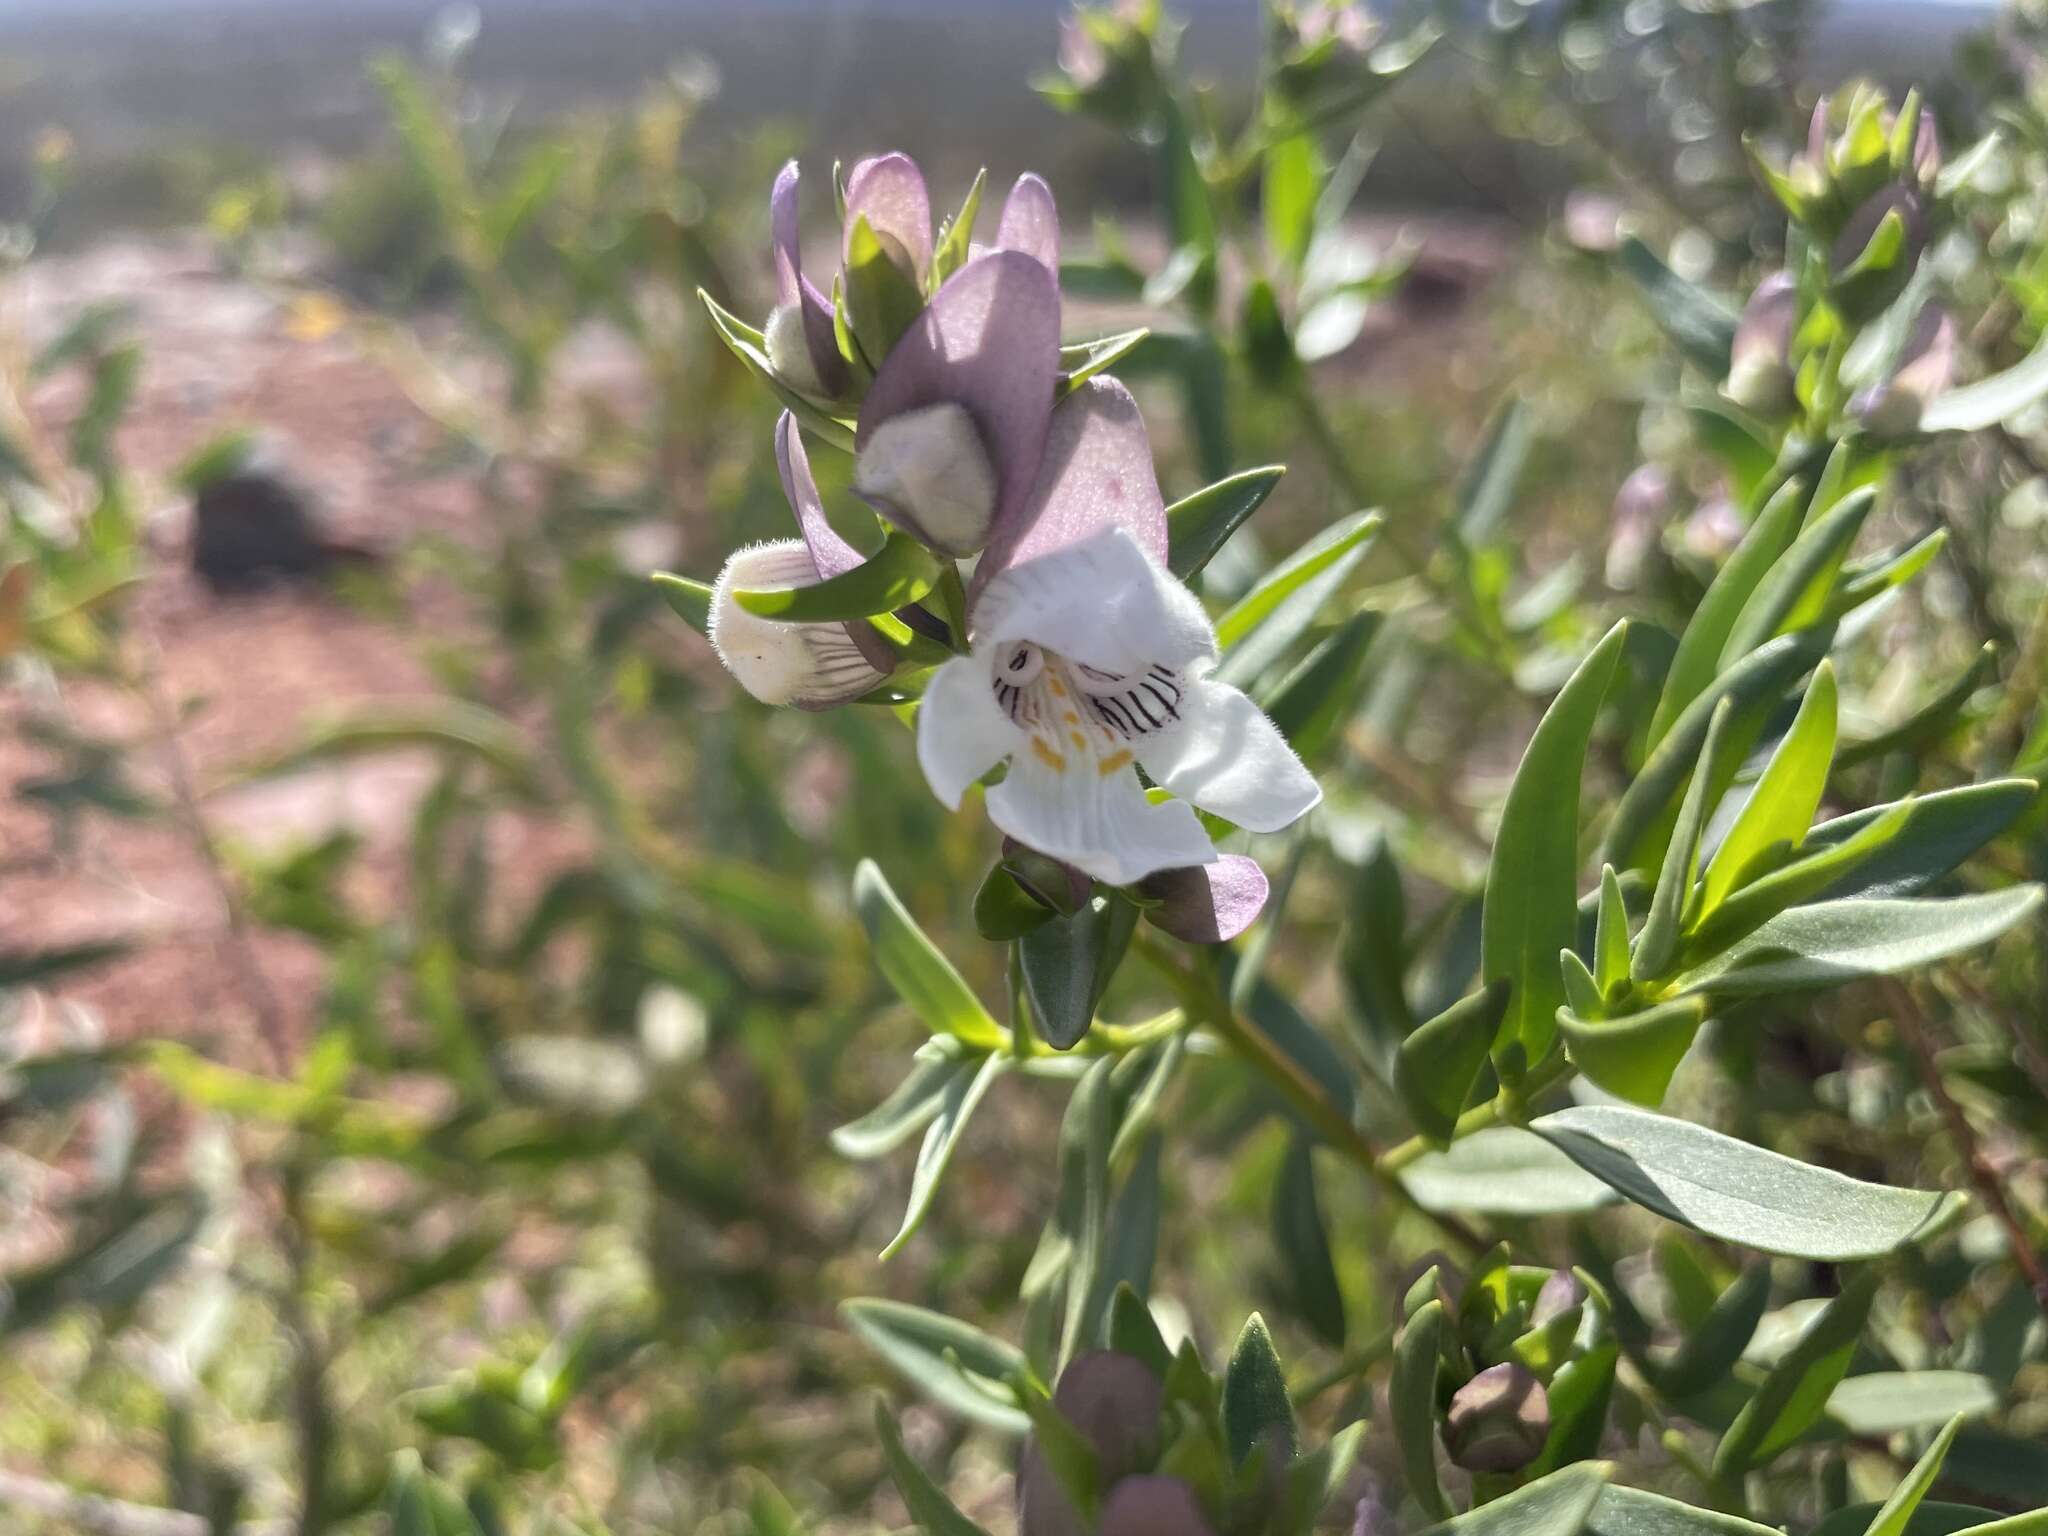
(812, 666)
(1892, 408)
(927, 469)
(1560, 1293)
(1498, 1421)
(1641, 508)
(1759, 363)
(789, 349)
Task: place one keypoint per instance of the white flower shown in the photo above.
(1089, 663)
(812, 666)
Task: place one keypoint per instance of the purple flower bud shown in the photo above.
(1759, 363)
(889, 192)
(1207, 903)
(1641, 508)
(1892, 408)
(802, 313)
(1560, 1293)
(1113, 1401)
(1152, 1506)
(1498, 1421)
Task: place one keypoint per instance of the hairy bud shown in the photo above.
(789, 350)
(1497, 1421)
(812, 666)
(927, 469)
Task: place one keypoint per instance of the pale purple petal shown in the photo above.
(1113, 1401)
(889, 192)
(1892, 408)
(829, 552)
(1152, 1506)
(988, 342)
(792, 287)
(1208, 903)
(1031, 222)
(1096, 473)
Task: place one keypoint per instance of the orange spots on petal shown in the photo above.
(1114, 761)
(1078, 739)
(1072, 718)
(1059, 689)
(1047, 756)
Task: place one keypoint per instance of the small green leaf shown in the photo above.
(690, 599)
(1936, 1519)
(963, 1096)
(1699, 324)
(1256, 1412)
(1486, 487)
(882, 297)
(1438, 1063)
(1864, 581)
(747, 345)
(1068, 962)
(1795, 1392)
(1610, 937)
(1531, 884)
(1742, 1193)
(1080, 361)
(1578, 1395)
(953, 1363)
(922, 977)
(1932, 720)
(1259, 628)
(1832, 942)
(910, 1107)
(1892, 1402)
(1781, 807)
(1557, 1505)
(1793, 884)
(1795, 593)
(1314, 701)
(1657, 945)
(1412, 1402)
(897, 575)
(1633, 1057)
(1004, 909)
(1711, 1348)
(928, 1506)
(1303, 1244)
(1198, 526)
(1698, 658)
(957, 241)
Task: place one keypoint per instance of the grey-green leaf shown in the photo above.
(1198, 526)
(1738, 1192)
(922, 976)
(1503, 1171)
(963, 1096)
(1255, 1407)
(1557, 1505)
(1440, 1061)
(936, 1355)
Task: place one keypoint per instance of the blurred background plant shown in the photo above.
(431, 988)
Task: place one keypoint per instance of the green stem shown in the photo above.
(1502, 1108)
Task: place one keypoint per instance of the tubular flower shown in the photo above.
(1089, 661)
(813, 666)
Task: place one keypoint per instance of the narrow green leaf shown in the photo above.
(1632, 1512)
(1742, 1193)
(956, 242)
(1440, 1061)
(1698, 658)
(897, 575)
(1932, 720)
(1085, 1134)
(1796, 883)
(1637, 835)
(953, 1363)
(1412, 1402)
(690, 599)
(928, 1506)
(1260, 627)
(1256, 1411)
(1832, 942)
(1892, 1402)
(1781, 807)
(963, 1096)
(1633, 1057)
(747, 345)
(1657, 945)
(1795, 592)
(1699, 324)
(1581, 992)
(1557, 1505)
(1611, 936)
(1530, 903)
(1935, 1519)
(1976, 407)
(1486, 488)
(1941, 830)
(1711, 1349)
(1303, 1244)
(1312, 703)
(1290, 180)
(910, 1107)
(922, 977)
(1865, 581)
(1198, 526)
(1795, 1392)
(1080, 361)
(1579, 1395)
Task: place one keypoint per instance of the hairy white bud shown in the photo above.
(930, 467)
(809, 665)
(789, 349)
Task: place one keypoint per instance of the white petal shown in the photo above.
(1102, 601)
(961, 734)
(1102, 824)
(1228, 758)
(809, 665)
